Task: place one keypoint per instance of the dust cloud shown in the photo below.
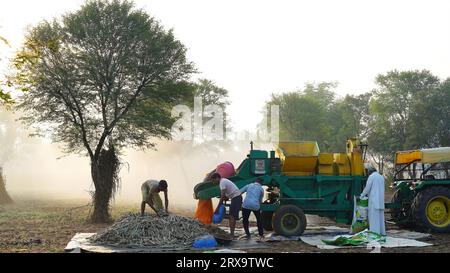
(36, 168)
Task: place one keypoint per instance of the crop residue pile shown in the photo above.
(133, 230)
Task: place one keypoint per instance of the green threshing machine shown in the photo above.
(300, 180)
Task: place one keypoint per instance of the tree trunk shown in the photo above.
(4, 196)
(100, 198)
(104, 174)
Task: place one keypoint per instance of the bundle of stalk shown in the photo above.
(134, 230)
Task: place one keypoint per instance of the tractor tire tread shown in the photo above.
(419, 204)
(276, 220)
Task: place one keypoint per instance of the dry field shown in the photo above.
(47, 226)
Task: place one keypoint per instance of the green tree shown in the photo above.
(409, 111)
(100, 79)
(315, 113)
(439, 106)
(5, 97)
(210, 94)
(349, 117)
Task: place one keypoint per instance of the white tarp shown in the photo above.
(316, 240)
(314, 236)
(80, 243)
(394, 238)
(330, 231)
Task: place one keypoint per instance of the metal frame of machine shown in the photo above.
(295, 186)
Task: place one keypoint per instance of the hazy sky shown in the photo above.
(255, 48)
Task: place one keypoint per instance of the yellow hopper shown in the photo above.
(298, 158)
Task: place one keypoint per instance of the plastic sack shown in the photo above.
(360, 211)
(204, 211)
(206, 241)
(360, 238)
(226, 169)
(218, 217)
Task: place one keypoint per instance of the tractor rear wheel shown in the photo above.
(289, 220)
(431, 209)
(400, 215)
(266, 218)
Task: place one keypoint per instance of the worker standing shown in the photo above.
(228, 190)
(252, 203)
(150, 195)
(375, 191)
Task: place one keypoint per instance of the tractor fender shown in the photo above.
(427, 183)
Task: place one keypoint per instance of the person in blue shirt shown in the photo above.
(252, 202)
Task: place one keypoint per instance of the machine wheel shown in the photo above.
(266, 217)
(401, 215)
(289, 220)
(431, 209)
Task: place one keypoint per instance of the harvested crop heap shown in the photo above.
(133, 230)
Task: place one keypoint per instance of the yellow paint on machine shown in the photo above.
(433, 155)
(298, 158)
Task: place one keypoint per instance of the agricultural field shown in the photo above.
(48, 225)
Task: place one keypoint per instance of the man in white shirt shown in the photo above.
(228, 190)
(375, 191)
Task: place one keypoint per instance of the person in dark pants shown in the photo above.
(228, 190)
(252, 203)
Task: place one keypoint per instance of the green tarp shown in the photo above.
(360, 238)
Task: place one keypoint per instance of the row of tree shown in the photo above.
(406, 110)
